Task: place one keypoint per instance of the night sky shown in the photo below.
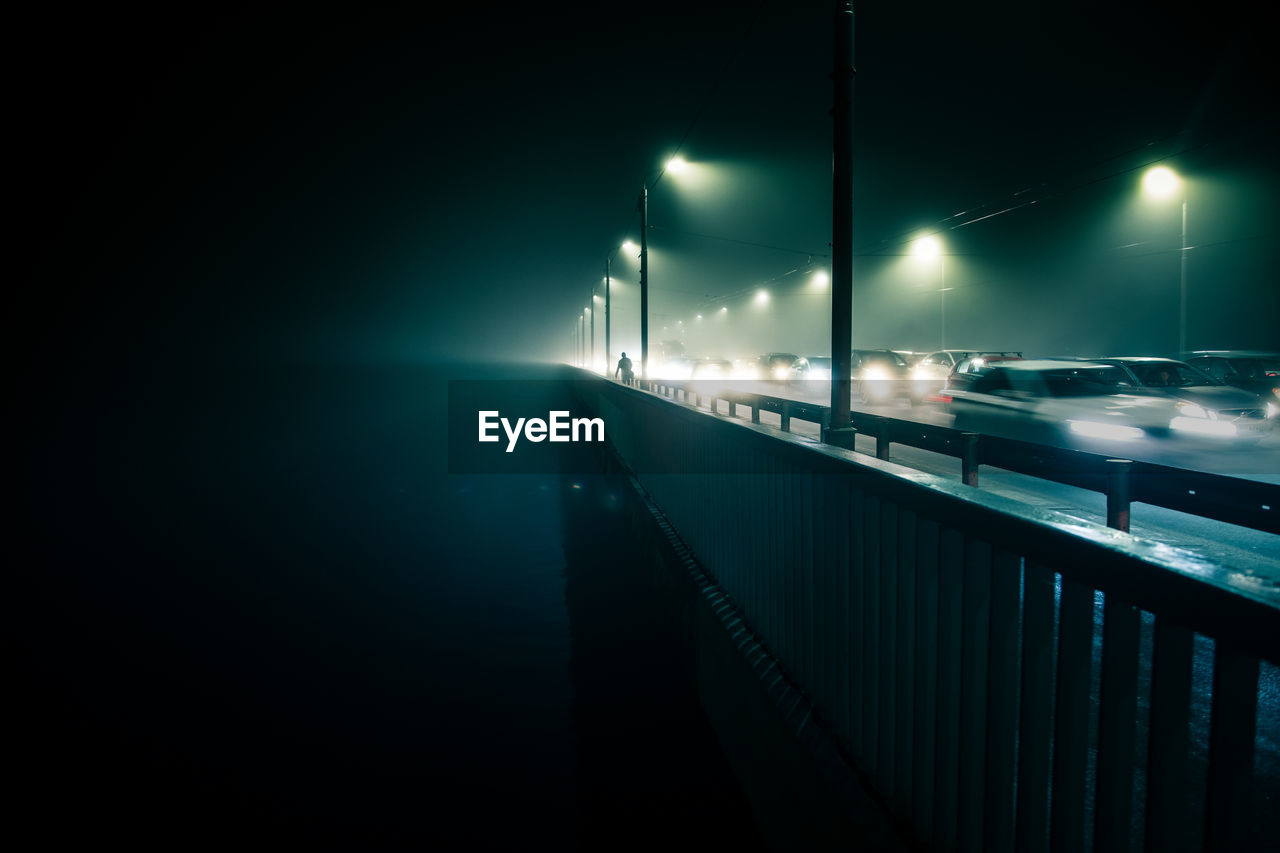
(395, 186)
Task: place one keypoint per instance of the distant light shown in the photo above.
(724, 309)
(630, 246)
(927, 247)
(676, 165)
(762, 297)
(821, 279)
(699, 316)
(1160, 182)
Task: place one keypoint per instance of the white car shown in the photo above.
(1075, 404)
(929, 373)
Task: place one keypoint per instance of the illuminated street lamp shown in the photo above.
(931, 247)
(1161, 182)
(674, 165)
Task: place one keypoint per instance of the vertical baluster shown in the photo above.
(1118, 707)
(857, 625)
(950, 601)
(1170, 739)
(842, 567)
(926, 678)
(888, 657)
(1034, 731)
(905, 667)
(871, 637)
(1002, 702)
(1232, 730)
(973, 694)
(1071, 718)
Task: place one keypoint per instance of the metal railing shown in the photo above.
(1236, 500)
(1005, 678)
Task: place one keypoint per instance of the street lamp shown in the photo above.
(675, 165)
(931, 247)
(1161, 182)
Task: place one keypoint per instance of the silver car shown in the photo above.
(1207, 406)
(1076, 404)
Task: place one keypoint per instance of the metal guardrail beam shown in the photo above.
(1235, 500)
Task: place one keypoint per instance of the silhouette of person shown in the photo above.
(624, 371)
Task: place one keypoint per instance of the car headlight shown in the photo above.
(1115, 432)
(1203, 426)
(874, 373)
(1191, 410)
(781, 372)
(1272, 410)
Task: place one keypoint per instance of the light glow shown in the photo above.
(1115, 432)
(1204, 426)
(762, 297)
(1160, 182)
(927, 247)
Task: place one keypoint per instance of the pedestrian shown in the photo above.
(624, 371)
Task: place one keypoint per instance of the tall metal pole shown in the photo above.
(591, 306)
(1182, 296)
(644, 280)
(608, 351)
(942, 299)
(842, 216)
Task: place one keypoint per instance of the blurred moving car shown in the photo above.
(969, 369)
(675, 367)
(1251, 370)
(712, 368)
(782, 367)
(930, 373)
(1207, 405)
(879, 375)
(819, 367)
(1063, 403)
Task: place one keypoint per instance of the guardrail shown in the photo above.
(1236, 500)
(1005, 679)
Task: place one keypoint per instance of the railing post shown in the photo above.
(1118, 472)
(882, 440)
(786, 416)
(969, 458)
(755, 413)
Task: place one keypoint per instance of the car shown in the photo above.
(967, 370)
(1252, 370)
(931, 371)
(1209, 406)
(712, 368)
(879, 375)
(676, 368)
(1082, 404)
(819, 367)
(782, 367)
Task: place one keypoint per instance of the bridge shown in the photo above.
(904, 661)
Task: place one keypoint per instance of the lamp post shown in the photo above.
(842, 215)
(931, 247)
(608, 351)
(1162, 182)
(644, 279)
